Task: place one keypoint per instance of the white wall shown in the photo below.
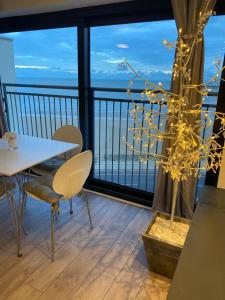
(221, 179)
(7, 65)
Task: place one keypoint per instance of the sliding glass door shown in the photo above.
(141, 45)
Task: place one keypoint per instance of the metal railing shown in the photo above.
(40, 109)
(114, 160)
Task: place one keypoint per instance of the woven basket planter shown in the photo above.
(162, 256)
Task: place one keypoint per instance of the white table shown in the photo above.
(30, 152)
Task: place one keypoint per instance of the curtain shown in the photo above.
(3, 123)
(186, 14)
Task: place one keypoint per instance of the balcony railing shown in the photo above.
(39, 110)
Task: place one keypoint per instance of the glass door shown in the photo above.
(141, 45)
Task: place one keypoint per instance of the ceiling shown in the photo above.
(9, 8)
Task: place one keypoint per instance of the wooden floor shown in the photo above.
(105, 263)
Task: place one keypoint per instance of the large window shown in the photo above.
(141, 45)
(37, 59)
(45, 56)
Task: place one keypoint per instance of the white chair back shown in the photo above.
(71, 176)
(70, 134)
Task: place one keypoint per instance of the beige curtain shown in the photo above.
(186, 14)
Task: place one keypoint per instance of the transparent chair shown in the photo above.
(67, 182)
(67, 133)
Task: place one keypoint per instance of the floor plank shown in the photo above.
(95, 286)
(76, 239)
(115, 259)
(106, 263)
(18, 273)
(155, 287)
(24, 292)
(130, 279)
(149, 292)
(100, 241)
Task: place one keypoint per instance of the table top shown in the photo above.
(30, 152)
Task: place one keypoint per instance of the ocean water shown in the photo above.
(97, 83)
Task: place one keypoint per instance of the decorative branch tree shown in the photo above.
(181, 124)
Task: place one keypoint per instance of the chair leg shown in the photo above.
(71, 205)
(53, 230)
(58, 210)
(84, 195)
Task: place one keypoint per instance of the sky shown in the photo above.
(53, 53)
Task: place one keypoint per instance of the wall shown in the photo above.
(7, 65)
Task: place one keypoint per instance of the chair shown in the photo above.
(67, 133)
(67, 182)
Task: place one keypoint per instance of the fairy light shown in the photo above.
(186, 122)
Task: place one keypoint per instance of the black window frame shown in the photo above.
(84, 19)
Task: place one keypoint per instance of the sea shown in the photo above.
(97, 83)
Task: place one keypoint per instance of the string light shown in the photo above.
(181, 124)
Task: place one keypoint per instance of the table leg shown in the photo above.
(16, 212)
(20, 178)
(21, 206)
(14, 215)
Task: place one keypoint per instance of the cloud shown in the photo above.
(31, 67)
(65, 46)
(167, 72)
(153, 70)
(122, 46)
(122, 67)
(31, 57)
(71, 71)
(114, 61)
(24, 56)
(103, 54)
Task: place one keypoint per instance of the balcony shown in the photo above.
(38, 110)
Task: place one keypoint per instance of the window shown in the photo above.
(45, 56)
(37, 58)
(141, 44)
